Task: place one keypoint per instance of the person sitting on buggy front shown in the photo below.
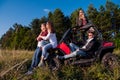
(38, 50)
(51, 36)
(87, 49)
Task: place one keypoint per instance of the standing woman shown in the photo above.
(51, 36)
(82, 19)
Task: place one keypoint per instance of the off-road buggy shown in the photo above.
(103, 50)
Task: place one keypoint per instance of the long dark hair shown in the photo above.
(51, 26)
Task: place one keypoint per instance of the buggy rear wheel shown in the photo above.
(53, 63)
(110, 61)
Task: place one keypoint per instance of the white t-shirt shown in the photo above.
(52, 39)
(84, 47)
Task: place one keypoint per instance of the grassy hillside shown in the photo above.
(11, 68)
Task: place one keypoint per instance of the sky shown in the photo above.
(24, 11)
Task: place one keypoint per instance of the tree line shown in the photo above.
(106, 19)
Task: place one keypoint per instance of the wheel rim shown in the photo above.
(54, 64)
(110, 62)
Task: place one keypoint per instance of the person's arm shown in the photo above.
(85, 21)
(80, 22)
(38, 38)
(89, 46)
(44, 33)
(40, 33)
(46, 37)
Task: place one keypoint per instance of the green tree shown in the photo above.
(92, 13)
(35, 26)
(73, 17)
(29, 41)
(67, 23)
(101, 19)
(110, 6)
(116, 18)
(7, 38)
(58, 20)
(18, 36)
(106, 19)
(50, 16)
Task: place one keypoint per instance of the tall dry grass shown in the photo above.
(9, 58)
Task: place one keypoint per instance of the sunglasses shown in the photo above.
(90, 35)
(80, 12)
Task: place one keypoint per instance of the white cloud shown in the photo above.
(46, 10)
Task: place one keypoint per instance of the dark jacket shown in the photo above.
(91, 47)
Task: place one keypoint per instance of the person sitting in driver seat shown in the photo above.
(88, 48)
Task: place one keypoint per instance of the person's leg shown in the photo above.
(33, 63)
(73, 54)
(34, 58)
(42, 43)
(38, 55)
(73, 47)
(81, 53)
(39, 51)
(45, 48)
(44, 51)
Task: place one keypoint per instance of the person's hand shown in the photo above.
(38, 38)
(77, 49)
(84, 18)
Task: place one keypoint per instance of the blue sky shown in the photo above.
(24, 11)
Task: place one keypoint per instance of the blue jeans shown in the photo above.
(37, 55)
(45, 48)
(42, 43)
(75, 51)
(36, 58)
(73, 47)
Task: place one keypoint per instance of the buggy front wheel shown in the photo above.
(53, 63)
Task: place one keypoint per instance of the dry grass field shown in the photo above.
(14, 63)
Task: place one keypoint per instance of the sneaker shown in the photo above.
(40, 64)
(29, 73)
(60, 57)
(46, 56)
